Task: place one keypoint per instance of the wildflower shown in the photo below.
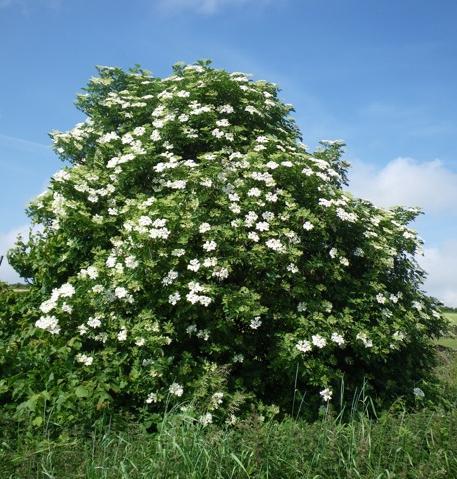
(177, 185)
(221, 273)
(66, 290)
(226, 109)
(66, 308)
(217, 399)
(191, 329)
(48, 305)
(398, 336)
(210, 262)
(271, 197)
(272, 165)
(170, 277)
(223, 122)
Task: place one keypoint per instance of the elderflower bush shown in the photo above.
(194, 250)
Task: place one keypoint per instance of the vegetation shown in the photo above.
(397, 444)
(205, 300)
(194, 250)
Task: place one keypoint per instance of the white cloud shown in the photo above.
(405, 181)
(441, 265)
(207, 7)
(433, 187)
(7, 240)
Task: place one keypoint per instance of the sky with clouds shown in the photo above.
(380, 75)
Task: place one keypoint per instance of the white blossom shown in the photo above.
(318, 341)
(326, 394)
(176, 389)
(120, 292)
(49, 324)
(368, 343)
(84, 359)
(194, 265)
(204, 227)
(304, 346)
(152, 397)
(174, 298)
(275, 244)
(209, 245)
(122, 334)
(255, 323)
(308, 226)
(206, 419)
(338, 339)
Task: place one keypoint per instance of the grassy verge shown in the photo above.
(415, 445)
(418, 444)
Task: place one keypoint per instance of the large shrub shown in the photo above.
(194, 249)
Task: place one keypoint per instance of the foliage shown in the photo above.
(194, 250)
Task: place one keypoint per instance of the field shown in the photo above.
(451, 340)
(398, 444)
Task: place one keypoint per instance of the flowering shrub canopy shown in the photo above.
(194, 249)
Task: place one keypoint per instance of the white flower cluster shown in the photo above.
(319, 342)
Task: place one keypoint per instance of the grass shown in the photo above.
(398, 444)
(421, 445)
(417, 445)
(452, 318)
(451, 340)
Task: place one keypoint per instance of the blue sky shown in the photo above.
(380, 75)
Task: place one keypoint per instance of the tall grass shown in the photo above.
(418, 445)
(356, 444)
